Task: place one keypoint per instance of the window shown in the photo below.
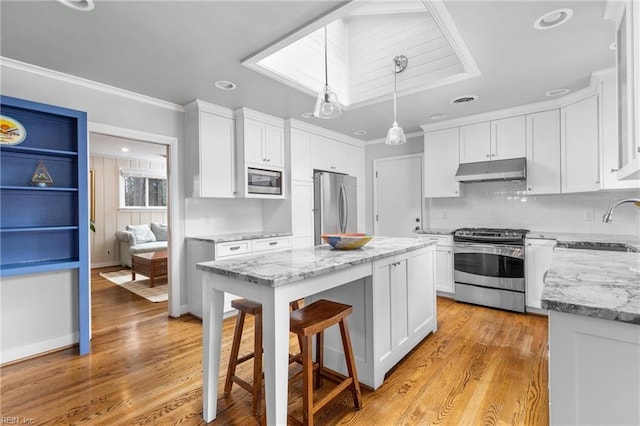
(143, 189)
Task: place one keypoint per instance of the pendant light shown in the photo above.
(395, 135)
(327, 105)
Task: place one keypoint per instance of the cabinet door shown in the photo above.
(441, 163)
(254, 137)
(217, 156)
(321, 153)
(508, 138)
(273, 146)
(580, 167)
(475, 143)
(538, 254)
(421, 294)
(383, 288)
(301, 156)
(302, 213)
(444, 269)
(543, 152)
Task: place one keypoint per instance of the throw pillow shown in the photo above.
(142, 233)
(159, 230)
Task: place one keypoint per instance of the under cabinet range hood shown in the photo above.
(511, 169)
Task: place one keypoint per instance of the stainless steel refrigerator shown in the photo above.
(335, 204)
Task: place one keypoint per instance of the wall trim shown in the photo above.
(174, 220)
(79, 81)
(293, 123)
(38, 348)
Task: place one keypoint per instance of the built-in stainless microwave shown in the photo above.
(266, 182)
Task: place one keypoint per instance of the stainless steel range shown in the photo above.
(489, 267)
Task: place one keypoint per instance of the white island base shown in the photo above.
(390, 286)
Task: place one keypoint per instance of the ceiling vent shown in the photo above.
(362, 36)
(464, 99)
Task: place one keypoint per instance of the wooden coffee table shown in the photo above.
(152, 264)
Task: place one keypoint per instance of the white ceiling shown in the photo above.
(176, 50)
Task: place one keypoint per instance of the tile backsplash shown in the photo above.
(507, 205)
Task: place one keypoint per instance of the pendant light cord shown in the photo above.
(395, 89)
(326, 72)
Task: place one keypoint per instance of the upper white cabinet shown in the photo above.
(580, 165)
(335, 156)
(543, 152)
(627, 17)
(475, 142)
(493, 140)
(260, 139)
(508, 138)
(300, 155)
(441, 163)
(210, 151)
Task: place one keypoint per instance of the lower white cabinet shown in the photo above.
(594, 373)
(538, 254)
(443, 262)
(204, 251)
(401, 292)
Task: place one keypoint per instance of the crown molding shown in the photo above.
(293, 123)
(90, 84)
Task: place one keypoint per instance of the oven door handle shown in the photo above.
(516, 252)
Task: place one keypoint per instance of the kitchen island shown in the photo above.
(593, 297)
(389, 282)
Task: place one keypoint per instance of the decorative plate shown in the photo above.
(346, 241)
(11, 131)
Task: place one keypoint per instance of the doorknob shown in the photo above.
(418, 219)
(417, 228)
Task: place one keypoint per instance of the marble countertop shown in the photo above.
(283, 267)
(577, 238)
(222, 238)
(437, 231)
(594, 283)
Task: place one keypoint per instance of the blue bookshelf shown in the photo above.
(44, 229)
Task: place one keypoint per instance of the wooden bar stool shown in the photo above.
(244, 307)
(313, 320)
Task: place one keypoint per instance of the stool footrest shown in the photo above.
(245, 358)
(237, 380)
(332, 394)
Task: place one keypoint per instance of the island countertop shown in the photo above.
(287, 266)
(594, 283)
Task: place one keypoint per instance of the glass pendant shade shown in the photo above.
(327, 105)
(395, 135)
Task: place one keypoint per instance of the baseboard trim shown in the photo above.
(105, 264)
(38, 348)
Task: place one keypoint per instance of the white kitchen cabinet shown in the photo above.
(362, 217)
(300, 142)
(508, 138)
(260, 139)
(441, 163)
(606, 84)
(475, 142)
(210, 151)
(593, 371)
(203, 251)
(538, 254)
(579, 142)
(543, 152)
(302, 213)
(627, 18)
(335, 156)
(404, 301)
(443, 262)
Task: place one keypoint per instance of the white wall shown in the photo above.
(107, 106)
(505, 204)
(210, 216)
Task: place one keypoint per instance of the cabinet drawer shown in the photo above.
(442, 240)
(232, 248)
(266, 244)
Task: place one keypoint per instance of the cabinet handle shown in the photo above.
(273, 243)
(234, 248)
(614, 170)
(598, 181)
(529, 189)
(455, 192)
(488, 156)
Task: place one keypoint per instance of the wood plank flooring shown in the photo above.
(483, 366)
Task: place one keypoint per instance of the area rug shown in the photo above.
(141, 286)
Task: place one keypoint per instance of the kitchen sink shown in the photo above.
(599, 246)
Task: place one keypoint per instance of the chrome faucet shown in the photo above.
(608, 216)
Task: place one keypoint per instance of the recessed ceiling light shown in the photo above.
(225, 85)
(438, 116)
(463, 99)
(553, 19)
(360, 132)
(613, 46)
(84, 5)
(557, 92)
(124, 149)
(307, 115)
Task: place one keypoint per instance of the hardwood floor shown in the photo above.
(483, 366)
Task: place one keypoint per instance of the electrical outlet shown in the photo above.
(108, 252)
(589, 216)
(206, 220)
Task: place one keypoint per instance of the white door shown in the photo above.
(397, 198)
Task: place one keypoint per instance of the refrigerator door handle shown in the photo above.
(343, 209)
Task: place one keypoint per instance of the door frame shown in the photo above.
(173, 202)
(376, 162)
